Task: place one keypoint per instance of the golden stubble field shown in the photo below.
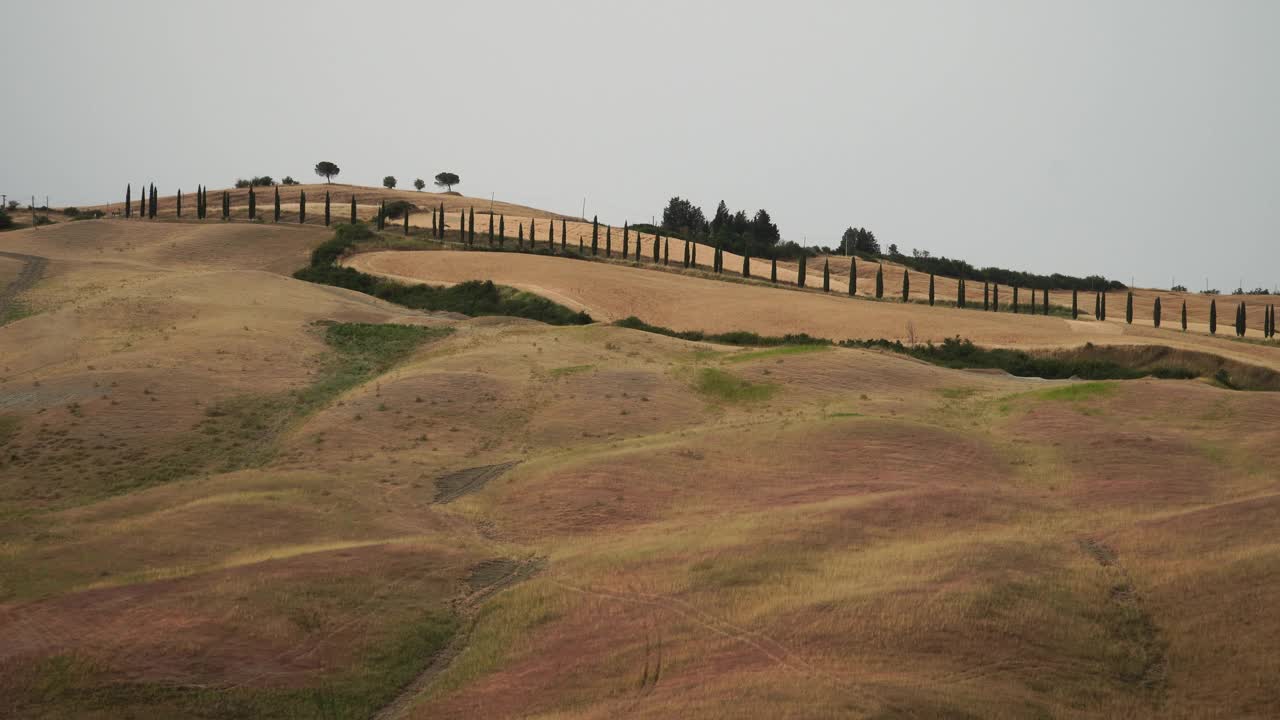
(520, 520)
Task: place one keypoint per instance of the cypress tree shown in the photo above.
(406, 222)
(656, 248)
(1155, 313)
(520, 237)
(302, 206)
(226, 205)
(326, 208)
(746, 261)
(1104, 305)
(995, 298)
(1128, 308)
(253, 204)
(666, 251)
(961, 300)
(803, 271)
(626, 243)
(155, 201)
(276, 218)
(1244, 326)
(595, 234)
(502, 231)
(142, 202)
(1015, 299)
(853, 276)
(490, 229)
(128, 200)
(1033, 301)
(353, 208)
(986, 296)
(199, 202)
(608, 241)
(564, 233)
(533, 224)
(1075, 304)
(1213, 317)
(1045, 304)
(581, 249)
(1184, 315)
(930, 289)
(826, 275)
(879, 281)
(773, 270)
(1097, 306)
(382, 215)
(906, 285)
(471, 227)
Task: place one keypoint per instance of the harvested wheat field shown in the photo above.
(230, 493)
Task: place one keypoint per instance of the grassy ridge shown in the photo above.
(475, 298)
(959, 353)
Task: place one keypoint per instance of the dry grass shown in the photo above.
(869, 536)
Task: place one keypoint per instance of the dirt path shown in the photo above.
(487, 579)
(32, 270)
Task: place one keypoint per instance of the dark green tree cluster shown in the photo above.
(732, 231)
(858, 240)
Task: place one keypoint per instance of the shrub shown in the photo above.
(397, 208)
(6, 222)
(288, 180)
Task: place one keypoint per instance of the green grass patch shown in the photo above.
(15, 310)
(9, 425)
(739, 337)
(720, 385)
(1079, 392)
(774, 352)
(570, 370)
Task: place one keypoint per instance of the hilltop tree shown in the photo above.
(1213, 317)
(1155, 313)
(419, 184)
(327, 170)
(858, 240)
(682, 216)
(389, 182)
(447, 180)
(879, 281)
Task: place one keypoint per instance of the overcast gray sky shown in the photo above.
(1133, 139)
